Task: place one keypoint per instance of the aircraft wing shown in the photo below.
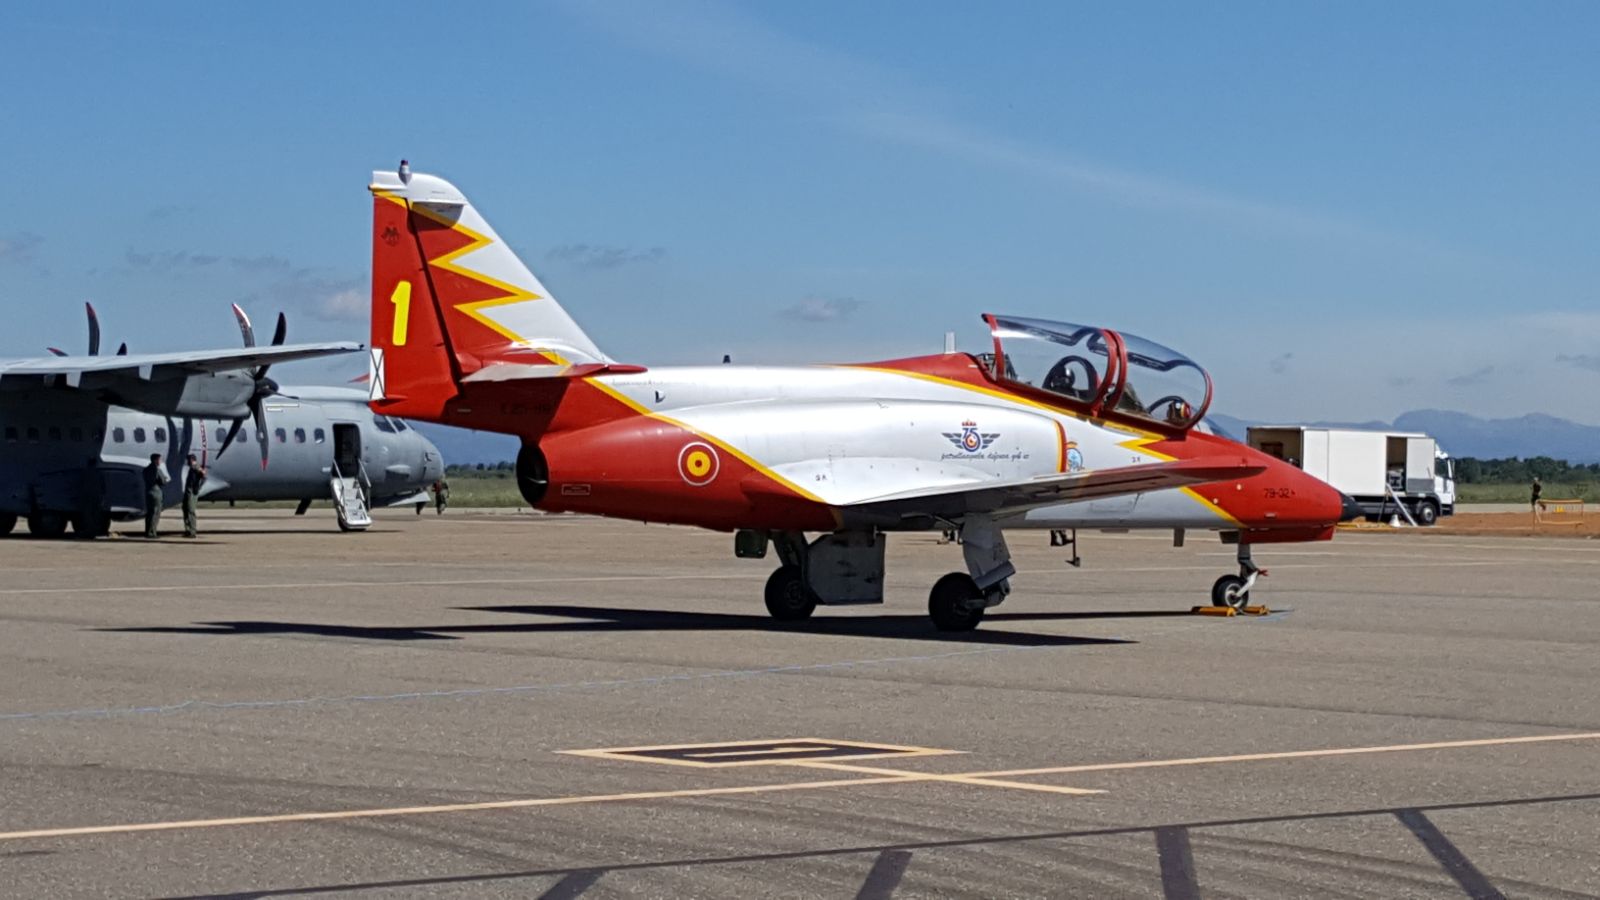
(154, 365)
(1022, 494)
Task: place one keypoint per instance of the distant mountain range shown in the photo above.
(1460, 434)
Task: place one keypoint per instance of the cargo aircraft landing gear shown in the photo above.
(1234, 590)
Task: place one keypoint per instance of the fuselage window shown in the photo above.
(97, 436)
(55, 433)
(138, 435)
(398, 424)
(222, 435)
(33, 434)
(75, 434)
(383, 424)
(299, 435)
(161, 435)
(319, 436)
(118, 435)
(11, 434)
(283, 436)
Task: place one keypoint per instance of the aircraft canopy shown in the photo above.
(1099, 371)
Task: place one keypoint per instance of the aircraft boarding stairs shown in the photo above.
(350, 499)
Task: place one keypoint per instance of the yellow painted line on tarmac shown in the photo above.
(953, 779)
(340, 815)
(1290, 754)
(890, 776)
(713, 759)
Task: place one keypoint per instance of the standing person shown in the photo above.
(155, 478)
(193, 480)
(1533, 501)
(441, 495)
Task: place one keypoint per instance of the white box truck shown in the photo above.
(1384, 471)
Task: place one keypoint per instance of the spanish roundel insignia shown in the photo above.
(697, 463)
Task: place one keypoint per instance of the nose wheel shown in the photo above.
(1234, 590)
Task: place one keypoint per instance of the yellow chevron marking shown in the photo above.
(721, 444)
(447, 262)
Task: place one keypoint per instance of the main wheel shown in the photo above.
(47, 524)
(1427, 513)
(84, 527)
(8, 521)
(950, 603)
(1229, 591)
(788, 598)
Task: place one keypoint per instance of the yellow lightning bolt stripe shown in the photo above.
(447, 262)
(721, 444)
(1142, 445)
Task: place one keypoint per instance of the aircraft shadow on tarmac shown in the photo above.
(595, 619)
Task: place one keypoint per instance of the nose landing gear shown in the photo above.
(1234, 590)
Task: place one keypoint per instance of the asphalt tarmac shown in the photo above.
(435, 708)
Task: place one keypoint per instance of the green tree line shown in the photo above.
(480, 468)
(1471, 470)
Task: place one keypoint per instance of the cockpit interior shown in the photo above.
(1100, 372)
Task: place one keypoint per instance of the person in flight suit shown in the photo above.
(155, 478)
(194, 478)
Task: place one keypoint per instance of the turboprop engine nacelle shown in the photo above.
(216, 395)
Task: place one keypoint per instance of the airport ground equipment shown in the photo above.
(1387, 473)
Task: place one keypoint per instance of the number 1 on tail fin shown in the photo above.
(401, 298)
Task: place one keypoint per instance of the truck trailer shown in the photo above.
(1387, 473)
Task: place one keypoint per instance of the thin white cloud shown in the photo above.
(601, 256)
(19, 248)
(821, 309)
(883, 104)
(349, 305)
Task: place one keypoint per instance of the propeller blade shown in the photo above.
(57, 351)
(94, 329)
(280, 332)
(122, 349)
(262, 437)
(233, 432)
(245, 330)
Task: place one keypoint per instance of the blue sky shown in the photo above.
(1343, 210)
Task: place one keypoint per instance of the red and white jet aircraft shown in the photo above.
(1060, 427)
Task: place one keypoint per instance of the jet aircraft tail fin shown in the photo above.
(451, 301)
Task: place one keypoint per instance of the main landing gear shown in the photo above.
(1234, 590)
(846, 567)
(959, 599)
(788, 598)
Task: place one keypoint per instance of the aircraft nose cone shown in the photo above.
(1350, 510)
